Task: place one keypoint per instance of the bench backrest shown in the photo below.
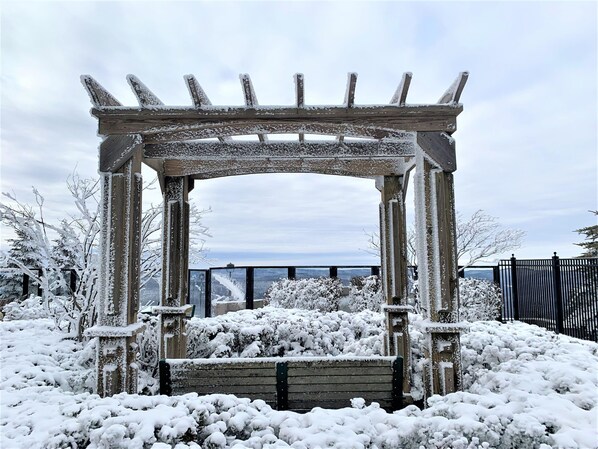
(290, 383)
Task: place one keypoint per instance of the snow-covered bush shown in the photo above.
(321, 294)
(26, 309)
(365, 293)
(480, 300)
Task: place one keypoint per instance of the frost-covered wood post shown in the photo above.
(116, 367)
(175, 265)
(437, 261)
(393, 257)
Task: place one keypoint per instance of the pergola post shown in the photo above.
(175, 264)
(438, 277)
(116, 367)
(393, 258)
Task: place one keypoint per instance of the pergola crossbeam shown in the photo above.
(251, 99)
(200, 98)
(400, 95)
(349, 96)
(453, 93)
(99, 96)
(300, 97)
(144, 96)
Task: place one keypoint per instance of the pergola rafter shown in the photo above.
(183, 143)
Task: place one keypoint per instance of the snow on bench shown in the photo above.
(290, 383)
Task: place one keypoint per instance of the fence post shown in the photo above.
(514, 294)
(375, 271)
(558, 293)
(25, 284)
(333, 272)
(73, 281)
(208, 290)
(461, 271)
(39, 286)
(292, 272)
(496, 274)
(249, 272)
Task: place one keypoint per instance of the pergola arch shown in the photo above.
(187, 143)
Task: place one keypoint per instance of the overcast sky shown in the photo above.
(526, 140)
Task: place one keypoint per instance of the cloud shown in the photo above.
(526, 141)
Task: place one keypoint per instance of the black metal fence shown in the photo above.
(558, 294)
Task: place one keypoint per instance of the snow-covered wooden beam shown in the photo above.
(278, 149)
(453, 93)
(300, 96)
(251, 99)
(115, 151)
(99, 96)
(349, 96)
(388, 119)
(145, 97)
(200, 98)
(215, 168)
(440, 148)
(400, 95)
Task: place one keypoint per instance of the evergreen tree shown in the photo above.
(591, 234)
(11, 277)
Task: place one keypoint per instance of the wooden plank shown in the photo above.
(358, 167)
(339, 396)
(200, 98)
(274, 149)
(453, 93)
(340, 371)
(400, 95)
(349, 97)
(145, 97)
(332, 387)
(99, 96)
(340, 362)
(251, 99)
(115, 151)
(309, 405)
(300, 97)
(338, 120)
(330, 380)
(440, 148)
(210, 379)
(227, 389)
(224, 372)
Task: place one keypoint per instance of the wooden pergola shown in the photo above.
(185, 143)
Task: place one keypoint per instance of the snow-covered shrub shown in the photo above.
(29, 308)
(321, 294)
(365, 293)
(480, 300)
(270, 332)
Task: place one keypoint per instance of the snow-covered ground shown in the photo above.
(524, 388)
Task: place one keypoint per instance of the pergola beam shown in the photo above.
(400, 95)
(300, 97)
(381, 121)
(251, 99)
(200, 98)
(144, 96)
(349, 96)
(453, 93)
(99, 96)
(277, 149)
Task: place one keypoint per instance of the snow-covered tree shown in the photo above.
(479, 237)
(590, 245)
(75, 246)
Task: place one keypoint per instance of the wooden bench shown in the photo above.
(298, 384)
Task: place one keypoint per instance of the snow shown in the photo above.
(524, 387)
